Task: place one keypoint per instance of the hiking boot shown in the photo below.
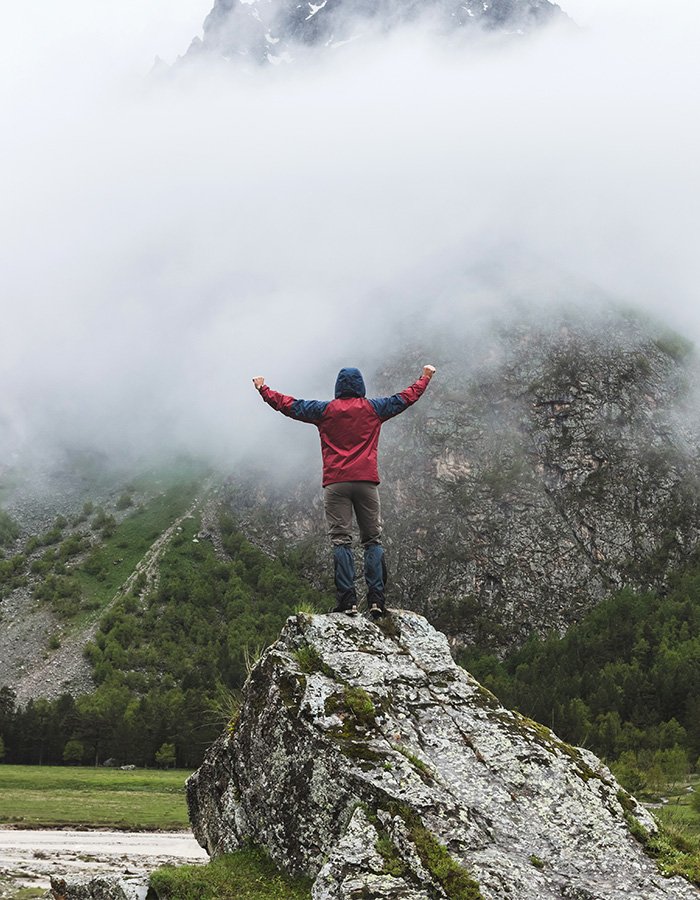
(376, 604)
(346, 602)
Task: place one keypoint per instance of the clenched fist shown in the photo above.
(258, 382)
(428, 371)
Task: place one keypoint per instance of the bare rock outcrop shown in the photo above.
(274, 31)
(364, 757)
(101, 887)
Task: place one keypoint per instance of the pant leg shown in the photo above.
(369, 518)
(365, 500)
(375, 571)
(337, 503)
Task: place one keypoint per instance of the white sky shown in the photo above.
(165, 239)
(118, 36)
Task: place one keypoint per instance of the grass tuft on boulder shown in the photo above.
(244, 875)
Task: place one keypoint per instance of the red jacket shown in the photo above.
(349, 426)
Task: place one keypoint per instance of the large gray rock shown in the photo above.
(100, 887)
(363, 756)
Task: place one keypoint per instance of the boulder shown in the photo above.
(364, 757)
(102, 887)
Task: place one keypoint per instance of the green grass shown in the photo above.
(8, 528)
(310, 661)
(244, 875)
(676, 845)
(683, 816)
(12, 892)
(454, 879)
(119, 553)
(51, 796)
(415, 761)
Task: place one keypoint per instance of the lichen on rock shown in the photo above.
(100, 887)
(371, 762)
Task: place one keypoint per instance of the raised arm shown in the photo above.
(388, 407)
(301, 410)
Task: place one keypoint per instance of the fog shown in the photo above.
(168, 234)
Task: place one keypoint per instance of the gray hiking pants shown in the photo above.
(339, 501)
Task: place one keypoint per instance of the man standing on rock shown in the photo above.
(349, 428)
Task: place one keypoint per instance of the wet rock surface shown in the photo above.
(364, 757)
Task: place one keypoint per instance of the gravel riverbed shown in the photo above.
(30, 858)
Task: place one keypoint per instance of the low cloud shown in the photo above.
(167, 237)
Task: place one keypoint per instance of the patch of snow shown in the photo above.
(334, 44)
(314, 9)
(282, 58)
(270, 39)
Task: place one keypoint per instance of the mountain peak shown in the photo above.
(273, 31)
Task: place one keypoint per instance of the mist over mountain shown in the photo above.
(167, 238)
(275, 30)
(552, 461)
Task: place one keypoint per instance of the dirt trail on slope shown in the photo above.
(66, 670)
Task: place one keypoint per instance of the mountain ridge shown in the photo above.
(274, 31)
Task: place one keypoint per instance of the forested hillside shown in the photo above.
(624, 682)
(167, 665)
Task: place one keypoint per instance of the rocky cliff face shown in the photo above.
(276, 30)
(364, 757)
(551, 461)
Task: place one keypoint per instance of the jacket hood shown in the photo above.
(349, 383)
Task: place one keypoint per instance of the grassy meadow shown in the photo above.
(54, 796)
(679, 844)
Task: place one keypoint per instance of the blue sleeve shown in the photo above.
(386, 407)
(308, 410)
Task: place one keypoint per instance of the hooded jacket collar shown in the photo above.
(349, 383)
